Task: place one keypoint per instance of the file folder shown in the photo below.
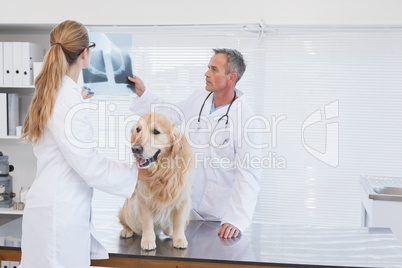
(30, 53)
(3, 115)
(13, 114)
(1, 65)
(8, 63)
(17, 63)
(37, 68)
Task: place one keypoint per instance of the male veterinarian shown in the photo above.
(218, 125)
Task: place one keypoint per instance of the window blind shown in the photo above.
(331, 97)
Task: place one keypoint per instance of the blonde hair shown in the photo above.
(67, 41)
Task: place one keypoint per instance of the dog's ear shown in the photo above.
(177, 144)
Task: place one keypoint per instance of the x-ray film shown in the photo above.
(96, 72)
(121, 66)
(110, 64)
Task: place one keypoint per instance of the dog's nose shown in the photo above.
(137, 149)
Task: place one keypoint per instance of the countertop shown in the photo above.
(260, 244)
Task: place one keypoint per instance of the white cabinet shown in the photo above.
(20, 154)
(381, 208)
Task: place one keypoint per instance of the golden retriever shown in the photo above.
(163, 202)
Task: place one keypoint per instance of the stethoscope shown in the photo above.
(223, 116)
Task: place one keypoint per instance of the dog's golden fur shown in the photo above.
(164, 201)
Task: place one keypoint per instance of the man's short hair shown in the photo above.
(235, 62)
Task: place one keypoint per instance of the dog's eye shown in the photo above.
(156, 132)
(138, 129)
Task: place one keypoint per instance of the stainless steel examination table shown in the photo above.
(261, 245)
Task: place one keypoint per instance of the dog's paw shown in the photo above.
(180, 242)
(148, 244)
(168, 231)
(126, 233)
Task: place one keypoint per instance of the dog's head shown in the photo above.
(155, 138)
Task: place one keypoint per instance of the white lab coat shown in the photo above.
(224, 189)
(57, 229)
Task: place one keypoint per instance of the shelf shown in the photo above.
(29, 87)
(22, 28)
(18, 89)
(11, 211)
(10, 138)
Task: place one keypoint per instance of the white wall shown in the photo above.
(158, 12)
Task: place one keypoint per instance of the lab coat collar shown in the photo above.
(208, 103)
(237, 102)
(69, 83)
(239, 93)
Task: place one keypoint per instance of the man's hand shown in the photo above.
(143, 174)
(228, 231)
(139, 85)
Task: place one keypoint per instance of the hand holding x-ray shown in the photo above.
(139, 85)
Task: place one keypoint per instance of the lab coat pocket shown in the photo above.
(213, 204)
(221, 138)
(222, 159)
(74, 199)
(75, 190)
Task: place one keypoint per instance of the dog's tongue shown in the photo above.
(140, 161)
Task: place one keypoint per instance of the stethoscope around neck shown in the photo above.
(222, 117)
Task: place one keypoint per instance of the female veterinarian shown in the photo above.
(57, 229)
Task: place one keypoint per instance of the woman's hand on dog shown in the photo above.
(228, 231)
(143, 174)
(139, 85)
